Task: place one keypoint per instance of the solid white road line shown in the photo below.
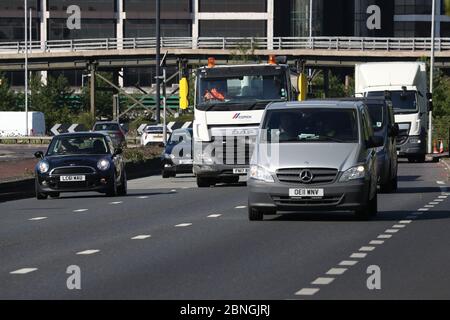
(366, 249)
(37, 218)
(358, 255)
(384, 236)
(307, 292)
(23, 271)
(80, 210)
(336, 271)
(322, 281)
(214, 215)
(87, 252)
(141, 237)
(376, 242)
(182, 225)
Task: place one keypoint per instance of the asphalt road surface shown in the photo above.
(170, 240)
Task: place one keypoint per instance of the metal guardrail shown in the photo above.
(276, 43)
(46, 140)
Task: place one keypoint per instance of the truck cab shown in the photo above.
(229, 104)
(406, 85)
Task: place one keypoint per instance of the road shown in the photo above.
(198, 244)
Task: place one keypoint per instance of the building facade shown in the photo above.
(214, 18)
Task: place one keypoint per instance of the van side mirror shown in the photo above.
(39, 155)
(374, 142)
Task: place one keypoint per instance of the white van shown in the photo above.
(13, 124)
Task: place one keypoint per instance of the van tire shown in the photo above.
(205, 182)
(255, 214)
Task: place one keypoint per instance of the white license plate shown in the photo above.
(188, 161)
(240, 171)
(72, 178)
(306, 192)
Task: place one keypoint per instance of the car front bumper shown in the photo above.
(337, 196)
(412, 149)
(219, 170)
(100, 182)
(175, 166)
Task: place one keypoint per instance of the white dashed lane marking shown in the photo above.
(442, 197)
(424, 209)
(434, 203)
(405, 221)
(80, 210)
(141, 237)
(87, 252)
(358, 255)
(23, 271)
(336, 271)
(376, 242)
(384, 236)
(214, 215)
(143, 197)
(182, 225)
(240, 207)
(116, 202)
(398, 226)
(391, 231)
(367, 249)
(348, 263)
(307, 292)
(322, 281)
(38, 218)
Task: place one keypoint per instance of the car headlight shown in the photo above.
(103, 164)
(43, 166)
(169, 156)
(354, 173)
(260, 173)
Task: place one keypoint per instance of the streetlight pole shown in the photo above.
(26, 66)
(430, 116)
(158, 61)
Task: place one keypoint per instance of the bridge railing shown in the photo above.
(232, 43)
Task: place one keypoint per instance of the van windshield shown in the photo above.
(310, 125)
(402, 101)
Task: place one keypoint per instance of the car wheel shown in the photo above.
(165, 174)
(123, 189)
(112, 190)
(39, 195)
(205, 182)
(54, 195)
(255, 214)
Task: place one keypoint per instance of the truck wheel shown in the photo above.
(205, 182)
(255, 214)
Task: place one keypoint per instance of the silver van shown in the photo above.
(314, 155)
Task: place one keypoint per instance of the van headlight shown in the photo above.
(354, 173)
(103, 164)
(260, 173)
(43, 166)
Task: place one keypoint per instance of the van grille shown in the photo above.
(320, 175)
(325, 201)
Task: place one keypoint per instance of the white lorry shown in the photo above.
(13, 124)
(229, 105)
(406, 84)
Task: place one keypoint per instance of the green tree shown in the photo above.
(9, 100)
(52, 99)
(103, 99)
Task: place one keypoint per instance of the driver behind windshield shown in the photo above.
(216, 91)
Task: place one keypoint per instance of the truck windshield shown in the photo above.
(402, 101)
(234, 93)
(310, 126)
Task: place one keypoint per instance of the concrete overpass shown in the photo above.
(140, 52)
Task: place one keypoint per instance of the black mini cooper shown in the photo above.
(77, 162)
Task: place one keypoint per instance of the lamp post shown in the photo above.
(158, 61)
(430, 116)
(26, 66)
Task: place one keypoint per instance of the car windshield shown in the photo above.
(246, 91)
(77, 145)
(376, 112)
(180, 136)
(310, 125)
(154, 130)
(402, 101)
(106, 127)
